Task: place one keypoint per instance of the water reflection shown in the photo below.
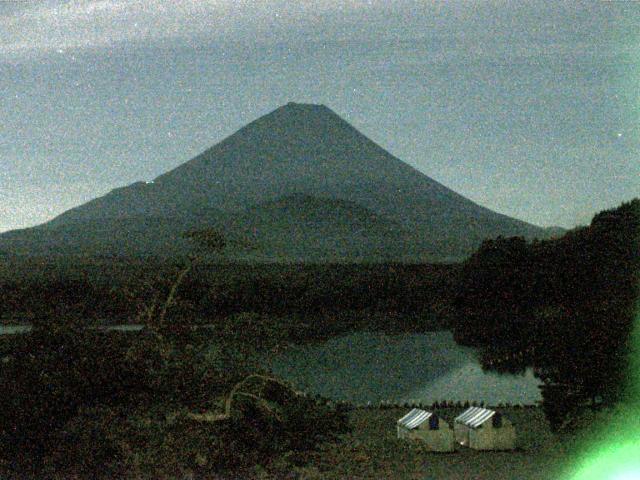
(426, 367)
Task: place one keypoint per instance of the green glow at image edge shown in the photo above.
(613, 462)
(614, 454)
(614, 451)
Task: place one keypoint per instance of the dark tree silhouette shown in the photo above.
(563, 307)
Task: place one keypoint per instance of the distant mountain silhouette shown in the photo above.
(300, 183)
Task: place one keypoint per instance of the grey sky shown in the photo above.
(531, 109)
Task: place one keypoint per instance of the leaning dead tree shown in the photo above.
(237, 391)
(154, 316)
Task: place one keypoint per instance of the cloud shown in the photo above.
(28, 29)
(85, 24)
(58, 26)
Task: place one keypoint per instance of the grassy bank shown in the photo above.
(372, 451)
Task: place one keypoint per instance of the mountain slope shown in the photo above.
(305, 228)
(304, 150)
(292, 228)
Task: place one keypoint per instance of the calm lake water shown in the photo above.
(428, 367)
(371, 367)
(12, 329)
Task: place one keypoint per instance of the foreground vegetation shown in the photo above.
(178, 401)
(168, 402)
(372, 451)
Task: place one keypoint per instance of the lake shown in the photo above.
(371, 367)
(13, 329)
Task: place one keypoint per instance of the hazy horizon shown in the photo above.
(527, 108)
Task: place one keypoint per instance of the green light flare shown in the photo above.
(613, 450)
(613, 462)
(633, 388)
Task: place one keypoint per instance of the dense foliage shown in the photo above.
(171, 401)
(185, 396)
(563, 306)
(110, 291)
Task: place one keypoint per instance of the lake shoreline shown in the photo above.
(403, 368)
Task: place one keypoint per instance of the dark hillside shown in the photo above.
(564, 306)
(297, 150)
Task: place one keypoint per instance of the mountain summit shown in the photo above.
(299, 159)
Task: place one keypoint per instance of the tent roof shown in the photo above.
(475, 416)
(414, 418)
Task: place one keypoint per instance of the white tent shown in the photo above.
(483, 429)
(429, 428)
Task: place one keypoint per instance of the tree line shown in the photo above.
(329, 296)
(564, 306)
